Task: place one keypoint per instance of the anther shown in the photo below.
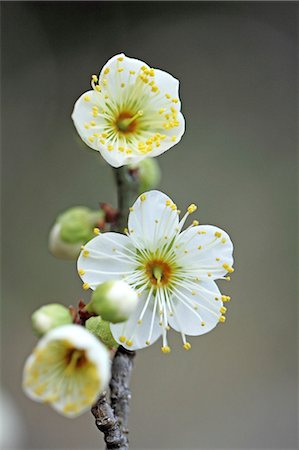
(122, 339)
(217, 234)
(96, 231)
(187, 346)
(143, 197)
(165, 349)
(192, 208)
(222, 319)
(228, 268)
(85, 286)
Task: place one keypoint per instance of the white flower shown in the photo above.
(173, 271)
(68, 369)
(132, 112)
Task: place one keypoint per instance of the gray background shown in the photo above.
(236, 62)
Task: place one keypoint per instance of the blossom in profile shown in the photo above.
(132, 112)
(173, 271)
(68, 369)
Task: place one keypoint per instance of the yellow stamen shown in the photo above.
(187, 346)
(165, 349)
(228, 268)
(192, 208)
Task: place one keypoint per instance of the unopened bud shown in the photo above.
(113, 300)
(149, 173)
(50, 316)
(101, 329)
(72, 229)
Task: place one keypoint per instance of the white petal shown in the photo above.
(82, 117)
(152, 221)
(138, 334)
(168, 85)
(108, 256)
(173, 136)
(189, 320)
(203, 250)
(124, 63)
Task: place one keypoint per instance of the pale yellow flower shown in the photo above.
(68, 369)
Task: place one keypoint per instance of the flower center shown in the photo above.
(158, 272)
(75, 358)
(127, 122)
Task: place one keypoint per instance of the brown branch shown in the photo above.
(127, 190)
(108, 424)
(119, 386)
(113, 420)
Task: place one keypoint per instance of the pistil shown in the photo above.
(125, 124)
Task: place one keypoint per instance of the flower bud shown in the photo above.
(50, 316)
(113, 300)
(72, 229)
(101, 329)
(149, 173)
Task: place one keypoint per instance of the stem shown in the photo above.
(113, 420)
(108, 424)
(119, 386)
(127, 191)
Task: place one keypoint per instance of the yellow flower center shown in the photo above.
(127, 122)
(75, 358)
(159, 272)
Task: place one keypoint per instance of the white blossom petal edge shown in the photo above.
(173, 271)
(68, 369)
(132, 111)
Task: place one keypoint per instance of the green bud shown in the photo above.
(113, 300)
(72, 229)
(50, 316)
(77, 223)
(149, 173)
(101, 329)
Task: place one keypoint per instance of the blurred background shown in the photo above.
(236, 62)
